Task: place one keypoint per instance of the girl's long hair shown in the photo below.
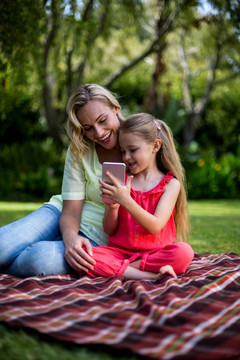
(85, 93)
(167, 160)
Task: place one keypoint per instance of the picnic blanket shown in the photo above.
(196, 316)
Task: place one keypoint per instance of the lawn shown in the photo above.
(215, 224)
(215, 228)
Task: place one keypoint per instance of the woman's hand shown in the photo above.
(113, 205)
(78, 249)
(78, 252)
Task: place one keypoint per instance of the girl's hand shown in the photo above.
(78, 252)
(115, 191)
(168, 270)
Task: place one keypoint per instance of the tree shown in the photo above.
(74, 41)
(167, 13)
(62, 37)
(73, 30)
(20, 28)
(223, 42)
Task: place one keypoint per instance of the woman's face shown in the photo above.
(100, 123)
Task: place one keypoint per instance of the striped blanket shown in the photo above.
(196, 316)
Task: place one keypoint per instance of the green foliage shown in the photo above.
(30, 166)
(64, 43)
(221, 122)
(212, 178)
(19, 123)
(30, 171)
(132, 88)
(174, 116)
(20, 28)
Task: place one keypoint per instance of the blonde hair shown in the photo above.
(85, 93)
(167, 159)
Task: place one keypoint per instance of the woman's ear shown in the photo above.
(157, 145)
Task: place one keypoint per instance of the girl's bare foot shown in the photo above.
(167, 270)
(136, 274)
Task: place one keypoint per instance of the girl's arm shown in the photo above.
(154, 223)
(110, 219)
(151, 223)
(69, 223)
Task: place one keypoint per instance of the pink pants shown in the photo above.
(113, 261)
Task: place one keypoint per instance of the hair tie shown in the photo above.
(157, 124)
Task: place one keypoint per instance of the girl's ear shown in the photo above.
(116, 109)
(157, 145)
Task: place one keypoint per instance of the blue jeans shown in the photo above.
(33, 245)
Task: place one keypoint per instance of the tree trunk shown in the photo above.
(52, 116)
(190, 128)
(151, 102)
(196, 111)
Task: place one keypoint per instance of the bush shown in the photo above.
(211, 178)
(30, 171)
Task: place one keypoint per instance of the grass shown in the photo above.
(214, 228)
(25, 344)
(214, 223)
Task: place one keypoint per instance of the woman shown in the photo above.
(59, 236)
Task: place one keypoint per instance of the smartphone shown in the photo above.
(118, 170)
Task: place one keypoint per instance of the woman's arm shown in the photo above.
(69, 223)
(110, 219)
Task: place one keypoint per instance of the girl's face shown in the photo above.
(137, 153)
(100, 123)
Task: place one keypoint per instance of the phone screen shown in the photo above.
(118, 170)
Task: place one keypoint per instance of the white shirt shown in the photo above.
(81, 182)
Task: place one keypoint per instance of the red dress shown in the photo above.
(131, 241)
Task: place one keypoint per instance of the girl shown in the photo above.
(149, 219)
(39, 244)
